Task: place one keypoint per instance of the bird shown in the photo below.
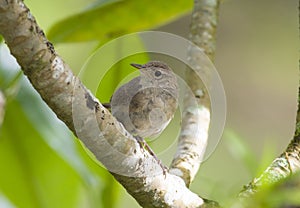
(147, 103)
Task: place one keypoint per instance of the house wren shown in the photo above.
(147, 103)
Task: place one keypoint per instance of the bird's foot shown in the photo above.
(144, 145)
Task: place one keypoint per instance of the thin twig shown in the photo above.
(288, 163)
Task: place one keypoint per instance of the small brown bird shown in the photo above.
(147, 103)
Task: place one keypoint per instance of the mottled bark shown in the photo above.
(196, 120)
(93, 124)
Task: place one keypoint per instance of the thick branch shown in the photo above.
(106, 138)
(195, 122)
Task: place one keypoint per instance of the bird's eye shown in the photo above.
(157, 73)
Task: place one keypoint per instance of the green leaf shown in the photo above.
(41, 164)
(32, 175)
(110, 192)
(119, 74)
(1, 38)
(100, 3)
(283, 193)
(108, 21)
(241, 151)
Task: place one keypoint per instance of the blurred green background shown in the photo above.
(43, 165)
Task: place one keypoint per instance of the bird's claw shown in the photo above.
(144, 144)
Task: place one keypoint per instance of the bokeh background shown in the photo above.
(43, 165)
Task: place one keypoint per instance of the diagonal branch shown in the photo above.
(93, 124)
(195, 122)
(288, 163)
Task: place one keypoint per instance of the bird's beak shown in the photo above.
(138, 66)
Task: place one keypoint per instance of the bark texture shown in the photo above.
(93, 124)
(195, 122)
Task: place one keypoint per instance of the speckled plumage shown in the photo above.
(147, 103)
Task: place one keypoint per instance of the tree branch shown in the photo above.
(195, 121)
(288, 163)
(93, 124)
